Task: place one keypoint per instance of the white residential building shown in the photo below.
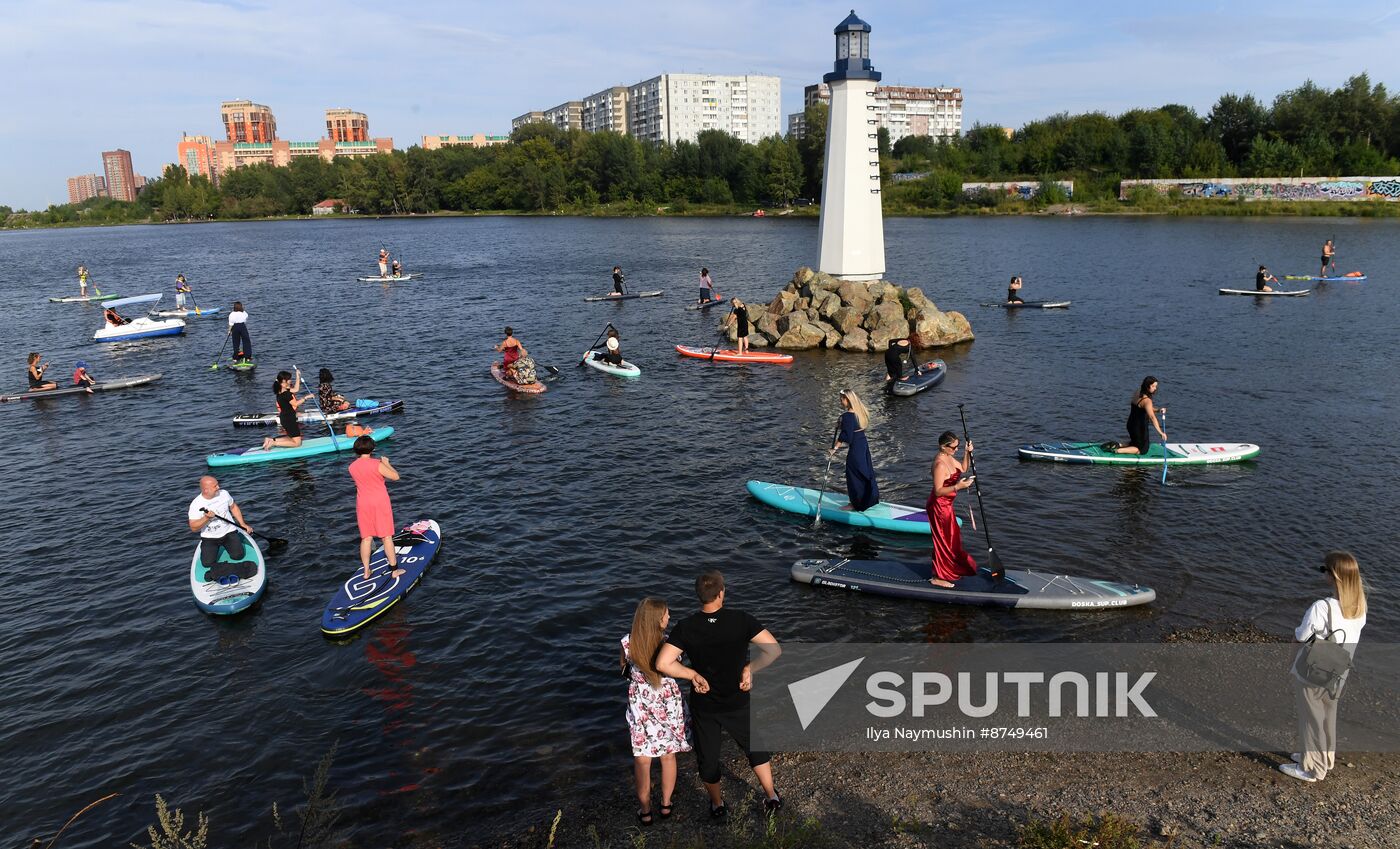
(606, 110)
(566, 116)
(903, 110)
(674, 107)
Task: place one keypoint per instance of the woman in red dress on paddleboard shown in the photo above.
(950, 561)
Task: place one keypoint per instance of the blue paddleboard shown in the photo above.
(359, 602)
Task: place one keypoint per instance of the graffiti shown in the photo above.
(1021, 191)
(1389, 189)
(1281, 189)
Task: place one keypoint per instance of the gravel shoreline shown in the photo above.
(952, 801)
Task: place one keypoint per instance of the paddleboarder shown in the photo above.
(950, 560)
(896, 355)
(286, 387)
(1140, 413)
(707, 287)
(739, 316)
(238, 329)
(326, 396)
(207, 518)
(82, 377)
(619, 282)
(1329, 257)
(182, 289)
(656, 715)
(515, 364)
(1262, 279)
(1013, 291)
(397, 269)
(37, 381)
(861, 487)
(82, 281)
(373, 512)
(383, 262)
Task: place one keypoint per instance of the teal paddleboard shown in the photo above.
(883, 516)
(308, 448)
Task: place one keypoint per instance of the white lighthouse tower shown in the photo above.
(851, 235)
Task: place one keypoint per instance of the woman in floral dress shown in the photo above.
(656, 713)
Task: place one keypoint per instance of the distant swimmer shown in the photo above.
(1329, 258)
(1262, 279)
(1013, 291)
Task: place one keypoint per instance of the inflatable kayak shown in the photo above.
(185, 313)
(388, 279)
(104, 386)
(359, 601)
(591, 359)
(83, 299)
(883, 516)
(927, 376)
(1017, 588)
(704, 305)
(1179, 453)
(308, 448)
(627, 297)
(528, 388)
(729, 355)
(1291, 294)
(1353, 277)
(266, 419)
(1031, 305)
(232, 585)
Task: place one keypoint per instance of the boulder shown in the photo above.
(783, 303)
(784, 323)
(880, 289)
(856, 340)
(802, 303)
(884, 315)
(803, 276)
(824, 282)
(918, 302)
(880, 337)
(800, 337)
(813, 315)
(758, 340)
(940, 328)
(847, 319)
(833, 337)
(830, 304)
(855, 295)
(767, 324)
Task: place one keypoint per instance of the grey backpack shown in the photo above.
(1323, 663)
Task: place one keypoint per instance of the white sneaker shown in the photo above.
(1295, 771)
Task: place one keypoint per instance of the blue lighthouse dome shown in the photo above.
(853, 23)
(852, 52)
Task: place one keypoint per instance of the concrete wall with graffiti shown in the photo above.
(1023, 190)
(1274, 188)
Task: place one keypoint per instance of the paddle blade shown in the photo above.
(998, 571)
(275, 545)
(553, 370)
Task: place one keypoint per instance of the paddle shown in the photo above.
(997, 571)
(330, 426)
(594, 345)
(273, 543)
(826, 478)
(1165, 455)
(227, 336)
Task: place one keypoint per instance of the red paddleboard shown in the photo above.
(532, 388)
(729, 355)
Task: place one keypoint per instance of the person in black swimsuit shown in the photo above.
(286, 389)
(1139, 414)
(739, 313)
(896, 355)
(619, 282)
(1013, 291)
(36, 374)
(1262, 279)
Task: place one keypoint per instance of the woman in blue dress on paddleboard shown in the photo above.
(861, 488)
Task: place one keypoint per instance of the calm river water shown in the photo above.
(491, 693)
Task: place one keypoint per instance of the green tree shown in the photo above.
(1234, 121)
(812, 148)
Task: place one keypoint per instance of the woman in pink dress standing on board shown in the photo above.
(372, 508)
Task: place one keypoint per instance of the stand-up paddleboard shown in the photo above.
(307, 448)
(232, 585)
(1179, 453)
(927, 376)
(314, 416)
(242, 365)
(704, 305)
(591, 359)
(83, 299)
(1295, 293)
(359, 601)
(1031, 305)
(185, 313)
(1018, 588)
(1351, 277)
(104, 386)
(528, 388)
(729, 355)
(390, 279)
(627, 297)
(883, 516)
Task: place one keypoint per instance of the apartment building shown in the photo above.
(347, 125)
(606, 110)
(519, 121)
(85, 187)
(120, 178)
(675, 107)
(230, 155)
(566, 116)
(196, 154)
(902, 110)
(246, 121)
(475, 140)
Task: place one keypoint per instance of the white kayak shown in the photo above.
(594, 360)
(1178, 453)
(1291, 294)
(391, 278)
(140, 328)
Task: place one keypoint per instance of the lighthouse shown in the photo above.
(851, 235)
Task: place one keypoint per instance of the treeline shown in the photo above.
(1308, 131)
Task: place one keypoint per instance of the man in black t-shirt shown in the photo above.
(716, 640)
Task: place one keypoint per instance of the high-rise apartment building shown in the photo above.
(230, 155)
(902, 110)
(86, 186)
(519, 121)
(475, 140)
(346, 125)
(121, 179)
(246, 121)
(196, 155)
(566, 116)
(675, 107)
(606, 110)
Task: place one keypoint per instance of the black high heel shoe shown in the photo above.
(644, 818)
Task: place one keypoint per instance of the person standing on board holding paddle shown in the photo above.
(182, 289)
(383, 262)
(739, 315)
(82, 281)
(1262, 279)
(209, 516)
(619, 282)
(1013, 291)
(1329, 258)
(1139, 414)
(862, 491)
(707, 287)
(238, 329)
(950, 560)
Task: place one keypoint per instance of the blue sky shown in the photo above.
(90, 75)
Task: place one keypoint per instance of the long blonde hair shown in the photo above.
(862, 414)
(646, 637)
(1346, 575)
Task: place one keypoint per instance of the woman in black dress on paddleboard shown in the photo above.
(1140, 413)
(286, 388)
